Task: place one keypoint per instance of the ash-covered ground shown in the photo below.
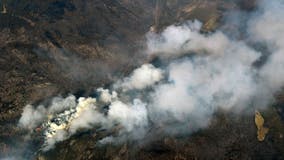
(141, 79)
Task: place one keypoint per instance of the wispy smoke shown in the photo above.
(184, 39)
(32, 117)
(201, 73)
(268, 28)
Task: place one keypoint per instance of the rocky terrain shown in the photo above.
(56, 47)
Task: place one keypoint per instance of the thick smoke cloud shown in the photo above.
(65, 116)
(143, 77)
(201, 73)
(197, 86)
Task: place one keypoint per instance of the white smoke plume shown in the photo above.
(32, 117)
(142, 77)
(183, 94)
